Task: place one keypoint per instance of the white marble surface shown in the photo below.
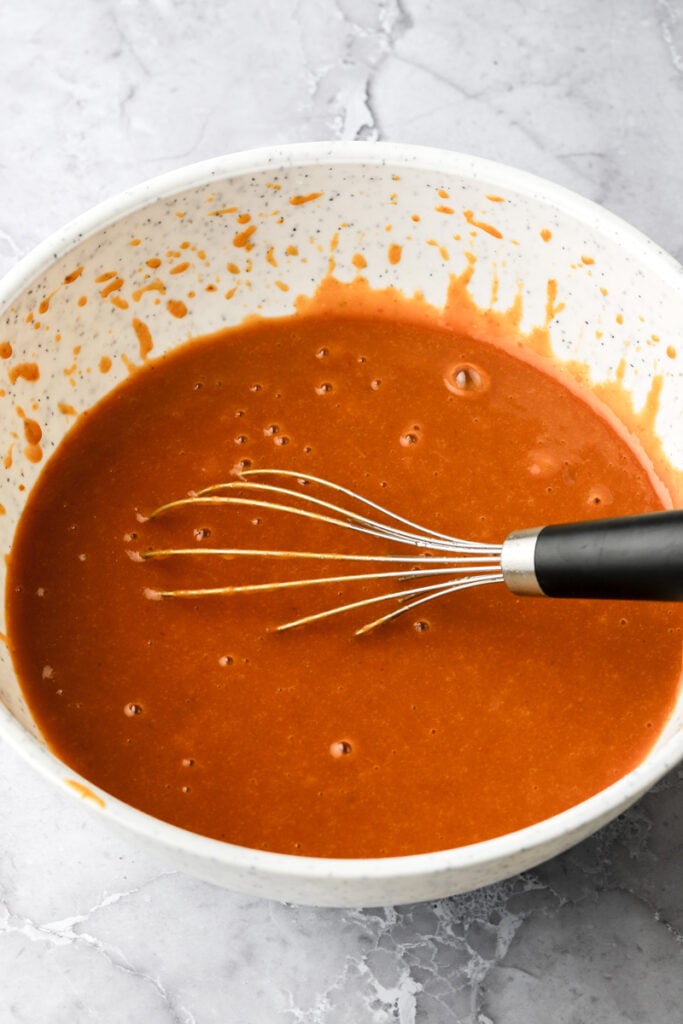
(98, 94)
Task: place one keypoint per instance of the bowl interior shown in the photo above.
(204, 249)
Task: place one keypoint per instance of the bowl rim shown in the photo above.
(576, 821)
(312, 154)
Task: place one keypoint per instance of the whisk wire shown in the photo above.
(349, 520)
(479, 562)
(361, 499)
(463, 584)
(253, 588)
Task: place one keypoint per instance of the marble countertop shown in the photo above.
(101, 94)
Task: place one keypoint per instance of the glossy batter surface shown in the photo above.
(478, 715)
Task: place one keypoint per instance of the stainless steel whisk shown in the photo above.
(631, 558)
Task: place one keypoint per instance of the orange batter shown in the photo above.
(480, 714)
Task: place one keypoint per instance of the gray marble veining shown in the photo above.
(99, 95)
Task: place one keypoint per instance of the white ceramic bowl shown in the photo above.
(617, 318)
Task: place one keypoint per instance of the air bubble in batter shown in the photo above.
(467, 380)
(341, 748)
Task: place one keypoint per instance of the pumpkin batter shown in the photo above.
(481, 714)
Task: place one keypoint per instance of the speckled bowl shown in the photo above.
(204, 247)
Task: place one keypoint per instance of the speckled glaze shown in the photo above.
(202, 248)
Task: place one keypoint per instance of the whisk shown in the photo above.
(632, 557)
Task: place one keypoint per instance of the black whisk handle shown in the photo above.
(634, 558)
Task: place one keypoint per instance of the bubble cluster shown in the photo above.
(411, 436)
